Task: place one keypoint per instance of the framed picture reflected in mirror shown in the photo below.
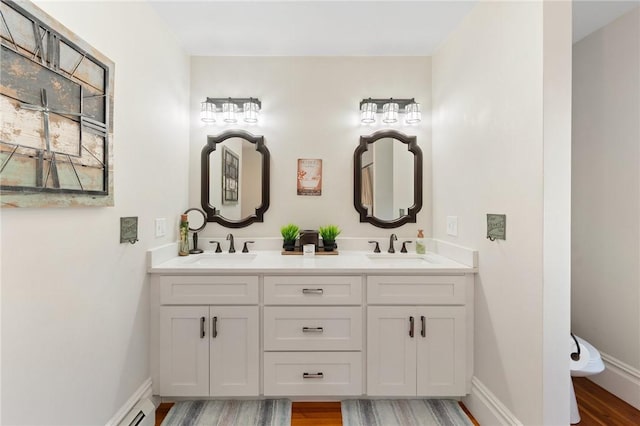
(230, 176)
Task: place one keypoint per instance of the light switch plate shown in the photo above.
(452, 226)
(161, 227)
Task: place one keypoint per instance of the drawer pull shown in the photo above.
(202, 320)
(312, 291)
(214, 327)
(312, 329)
(423, 332)
(318, 375)
(411, 326)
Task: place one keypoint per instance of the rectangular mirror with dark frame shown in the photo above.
(387, 179)
(235, 178)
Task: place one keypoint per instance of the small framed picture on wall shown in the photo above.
(309, 177)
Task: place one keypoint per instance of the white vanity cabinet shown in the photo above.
(415, 351)
(327, 328)
(417, 335)
(208, 350)
(313, 331)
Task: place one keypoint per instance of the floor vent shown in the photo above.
(142, 414)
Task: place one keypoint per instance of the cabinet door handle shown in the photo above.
(312, 329)
(202, 332)
(411, 326)
(214, 327)
(318, 375)
(312, 291)
(423, 332)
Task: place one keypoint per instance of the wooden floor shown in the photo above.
(597, 408)
(316, 413)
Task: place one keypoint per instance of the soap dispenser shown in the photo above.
(420, 247)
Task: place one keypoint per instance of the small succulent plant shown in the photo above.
(329, 232)
(290, 232)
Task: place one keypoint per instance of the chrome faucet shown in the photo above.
(232, 249)
(392, 238)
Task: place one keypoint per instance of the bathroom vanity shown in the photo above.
(322, 327)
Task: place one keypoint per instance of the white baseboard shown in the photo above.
(486, 408)
(620, 379)
(144, 391)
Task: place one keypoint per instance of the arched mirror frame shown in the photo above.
(213, 214)
(412, 146)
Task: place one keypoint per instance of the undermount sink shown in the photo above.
(399, 258)
(220, 259)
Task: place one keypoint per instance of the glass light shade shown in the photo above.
(413, 114)
(229, 110)
(208, 112)
(390, 113)
(251, 111)
(368, 113)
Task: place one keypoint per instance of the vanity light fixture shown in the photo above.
(390, 113)
(251, 109)
(208, 112)
(413, 114)
(368, 112)
(229, 110)
(390, 108)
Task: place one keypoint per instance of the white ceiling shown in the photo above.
(337, 28)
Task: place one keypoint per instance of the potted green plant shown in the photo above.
(329, 234)
(289, 235)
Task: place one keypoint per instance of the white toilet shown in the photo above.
(585, 361)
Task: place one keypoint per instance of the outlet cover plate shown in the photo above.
(161, 227)
(452, 226)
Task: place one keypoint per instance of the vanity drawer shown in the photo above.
(212, 290)
(313, 290)
(416, 290)
(312, 328)
(312, 373)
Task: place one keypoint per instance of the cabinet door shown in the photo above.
(184, 351)
(441, 357)
(234, 350)
(391, 351)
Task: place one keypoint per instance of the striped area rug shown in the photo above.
(403, 412)
(269, 412)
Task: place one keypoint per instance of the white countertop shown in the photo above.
(272, 261)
